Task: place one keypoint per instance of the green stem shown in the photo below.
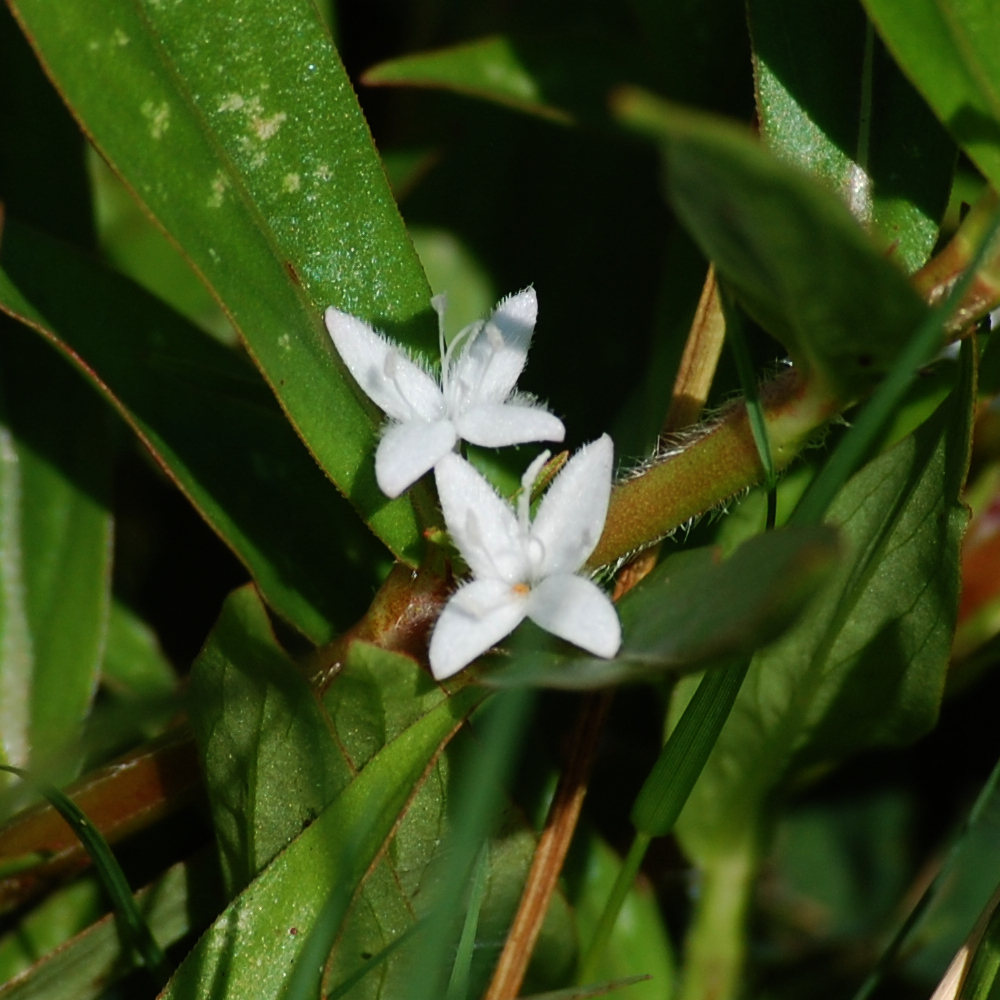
(716, 944)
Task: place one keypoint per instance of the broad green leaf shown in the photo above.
(248, 950)
(950, 49)
(56, 450)
(259, 164)
(377, 694)
(563, 80)
(800, 263)
(639, 942)
(270, 762)
(830, 99)
(248, 475)
(274, 757)
(866, 665)
(176, 904)
(695, 609)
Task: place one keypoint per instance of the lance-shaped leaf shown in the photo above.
(831, 99)
(259, 164)
(227, 445)
(801, 264)
(56, 449)
(951, 50)
(561, 79)
(248, 951)
(274, 757)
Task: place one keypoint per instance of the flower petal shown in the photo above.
(488, 369)
(578, 611)
(572, 513)
(408, 450)
(483, 526)
(493, 425)
(400, 387)
(478, 616)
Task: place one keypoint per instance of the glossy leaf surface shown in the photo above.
(695, 609)
(249, 948)
(866, 666)
(951, 50)
(56, 449)
(259, 164)
(800, 263)
(247, 475)
(835, 103)
(271, 765)
(275, 756)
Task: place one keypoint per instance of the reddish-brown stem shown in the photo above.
(551, 850)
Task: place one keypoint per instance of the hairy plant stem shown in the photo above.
(720, 463)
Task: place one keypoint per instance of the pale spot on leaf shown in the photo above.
(291, 183)
(158, 116)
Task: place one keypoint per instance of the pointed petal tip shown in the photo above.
(521, 306)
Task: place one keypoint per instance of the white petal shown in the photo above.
(482, 525)
(488, 369)
(408, 450)
(476, 618)
(400, 387)
(571, 515)
(578, 611)
(494, 425)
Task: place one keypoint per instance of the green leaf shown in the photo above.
(563, 79)
(56, 450)
(249, 949)
(950, 49)
(639, 942)
(376, 696)
(247, 475)
(274, 757)
(176, 904)
(830, 99)
(867, 664)
(270, 762)
(258, 163)
(693, 610)
(800, 263)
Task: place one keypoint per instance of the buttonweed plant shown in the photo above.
(319, 677)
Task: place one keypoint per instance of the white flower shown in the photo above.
(473, 401)
(525, 569)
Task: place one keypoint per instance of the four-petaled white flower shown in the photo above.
(475, 400)
(524, 568)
